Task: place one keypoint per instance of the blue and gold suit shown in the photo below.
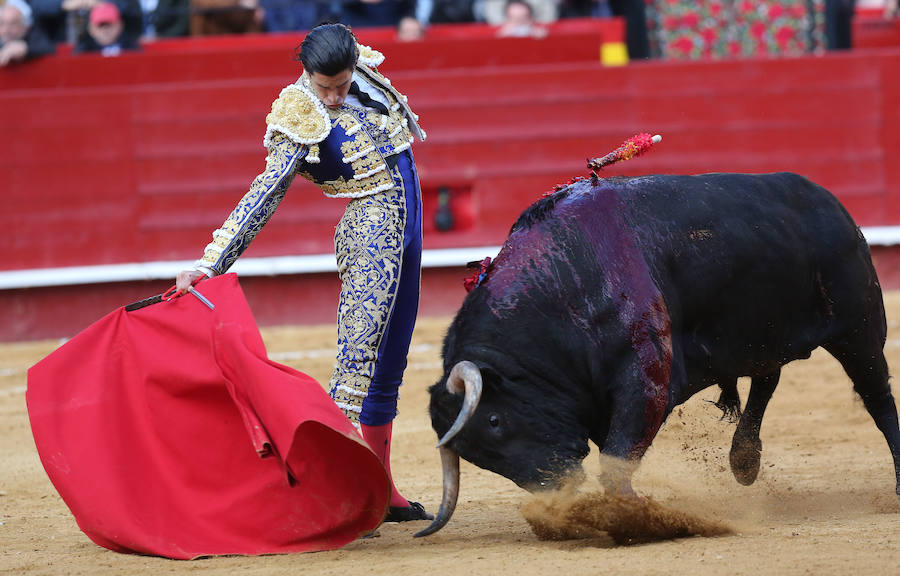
(358, 153)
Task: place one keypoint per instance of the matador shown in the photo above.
(344, 127)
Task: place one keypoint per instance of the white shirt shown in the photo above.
(368, 89)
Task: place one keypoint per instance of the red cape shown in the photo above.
(168, 431)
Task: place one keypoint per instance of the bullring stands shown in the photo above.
(137, 159)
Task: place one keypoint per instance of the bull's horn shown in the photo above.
(450, 465)
(465, 376)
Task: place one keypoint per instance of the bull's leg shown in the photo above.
(633, 426)
(622, 448)
(746, 445)
(863, 360)
(615, 475)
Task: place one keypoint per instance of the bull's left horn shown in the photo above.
(464, 377)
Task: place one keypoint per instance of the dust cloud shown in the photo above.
(623, 519)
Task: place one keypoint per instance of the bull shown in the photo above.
(613, 301)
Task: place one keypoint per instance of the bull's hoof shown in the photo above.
(744, 457)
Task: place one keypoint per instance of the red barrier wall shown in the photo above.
(139, 158)
(872, 30)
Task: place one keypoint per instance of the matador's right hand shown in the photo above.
(186, 279)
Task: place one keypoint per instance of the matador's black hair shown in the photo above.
(328, 49)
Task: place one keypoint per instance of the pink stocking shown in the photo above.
(379, 440)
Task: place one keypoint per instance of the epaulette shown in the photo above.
(299, 115)
(369, 56)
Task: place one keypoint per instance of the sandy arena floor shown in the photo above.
(824, 502)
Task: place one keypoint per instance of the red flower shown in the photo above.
(783, 36)
(683, 45)
(758, 30)
(690, 20)
(775, 11)
(709, 36)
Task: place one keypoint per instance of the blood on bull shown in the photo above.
(613, 301)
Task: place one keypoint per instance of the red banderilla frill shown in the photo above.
(634, 146)
(478, 276)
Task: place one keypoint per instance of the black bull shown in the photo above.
(613, 301)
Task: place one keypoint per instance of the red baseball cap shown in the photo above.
(105, 13)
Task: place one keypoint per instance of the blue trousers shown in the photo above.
(378, 246)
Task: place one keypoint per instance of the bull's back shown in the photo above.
(756, 270)
(732, 226)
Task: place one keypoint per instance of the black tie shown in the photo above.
(367, 100)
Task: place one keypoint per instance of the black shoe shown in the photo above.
(415, 511)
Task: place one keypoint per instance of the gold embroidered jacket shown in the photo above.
(344, 152)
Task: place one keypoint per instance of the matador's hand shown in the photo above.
(186, 279)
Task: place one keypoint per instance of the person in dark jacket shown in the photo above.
(66, 20)
(19, 39)
(105, 32)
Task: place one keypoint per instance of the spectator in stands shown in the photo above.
(210, 17)
(345, 128)
(165, 18)
(61, 24)
(367, 13)
(290, 15)
(66, 20)
(519, 21)
(409, 29)
(637, 37)
(494, 11)
(890, 9)
(19, 40)
(839, 24)
(148, 11)
(172, 18)
(445, 11)
(584, 9)
(105, 32)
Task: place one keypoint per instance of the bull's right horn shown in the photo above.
(450, 465)
(464, 377)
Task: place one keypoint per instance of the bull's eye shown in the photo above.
(494, 420)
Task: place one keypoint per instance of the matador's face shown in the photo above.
(332, 90)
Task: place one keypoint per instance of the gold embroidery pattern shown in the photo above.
(256, 207)
(299, 114)
(364, 128)
(380, 138)
(403, 137)
(383, 138)
(342, 188)
(370, 160)
(368, 245)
